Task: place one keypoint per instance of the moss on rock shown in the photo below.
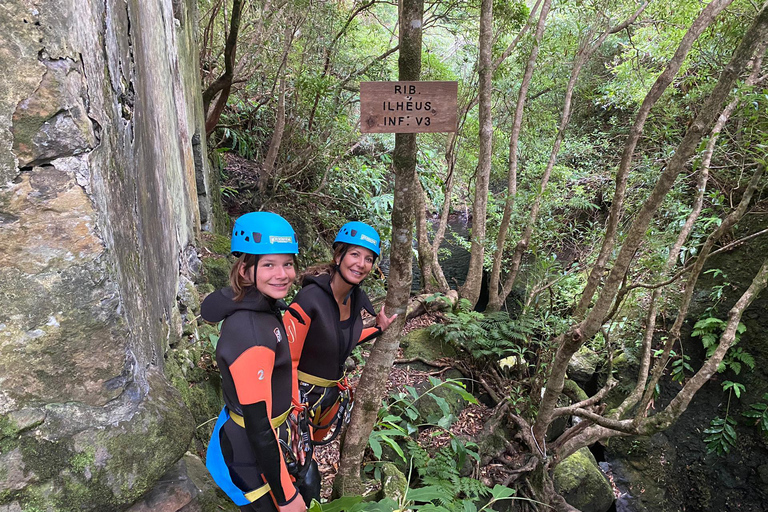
(219, 244)
(216, 272)
(428, 406)
(419, 343)
(393, 483)
(582, 484)
(199, 387)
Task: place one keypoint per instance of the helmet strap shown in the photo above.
(337, 270)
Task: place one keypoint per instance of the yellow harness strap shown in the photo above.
(276, 422)
(317, 381)
(257, 493)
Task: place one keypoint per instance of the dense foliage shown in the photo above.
(555, 172)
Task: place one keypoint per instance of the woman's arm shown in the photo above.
(252, 375)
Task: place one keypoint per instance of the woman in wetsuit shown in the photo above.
(325, 323)
(245, 456)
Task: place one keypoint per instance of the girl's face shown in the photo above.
(356, 264)
(273, 274)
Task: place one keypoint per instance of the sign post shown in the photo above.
(408, 107)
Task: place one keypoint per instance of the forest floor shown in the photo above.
(468, 425)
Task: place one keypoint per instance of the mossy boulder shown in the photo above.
(66, 463)
(189, 368)
(641, 470)
(625, 372)
(419, 343)
(494, 438)
(188, 296)
(219, 244)
(579, 480)
(393, 483)
(584, 364)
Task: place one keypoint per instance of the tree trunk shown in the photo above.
(426, 263)
(376, 372)
(471, 288)
(277, 139)
(222, 85)
(701, 184)
(498, 294)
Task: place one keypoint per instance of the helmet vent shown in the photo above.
(256, 237)
(247, 239)
(354, 232)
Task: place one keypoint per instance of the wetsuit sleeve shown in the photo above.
(252, 375)
(369, 334)
(296, 322)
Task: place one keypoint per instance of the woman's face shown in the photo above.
(356, 264)
(274, 274)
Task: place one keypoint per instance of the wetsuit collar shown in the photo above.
(221, 304)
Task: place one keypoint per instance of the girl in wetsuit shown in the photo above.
(325, 323)
(244, 456)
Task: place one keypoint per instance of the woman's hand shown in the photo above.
(383, 321)
(297, 505)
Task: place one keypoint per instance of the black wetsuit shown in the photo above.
(256, 372)
(320, 342)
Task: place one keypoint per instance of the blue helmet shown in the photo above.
(263, 233)
(360, 233)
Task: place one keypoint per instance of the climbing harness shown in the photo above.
(345, 400)
(298, 420)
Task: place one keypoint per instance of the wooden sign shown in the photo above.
(408, 107)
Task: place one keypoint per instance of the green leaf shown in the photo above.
(338, 505)
(442, 403)
(385, 505)
(500, 492)
(446, 421)
(428, 493)
(394, 446)
(434, 381)
(458, 387)
(375, 445)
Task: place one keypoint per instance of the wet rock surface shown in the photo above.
(98, 211)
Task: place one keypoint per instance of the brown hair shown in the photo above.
(339, 250)
(240, 284)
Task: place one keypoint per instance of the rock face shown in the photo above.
(101, 170)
